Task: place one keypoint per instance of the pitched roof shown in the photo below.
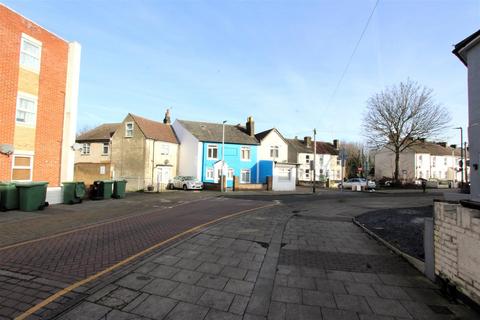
(261, 135)
(101, 133)
(322, 147)
(212, 132)
(465, 43)
(433, 149)
(155, 130)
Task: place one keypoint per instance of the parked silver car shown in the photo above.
(186, 183)
(369, 184)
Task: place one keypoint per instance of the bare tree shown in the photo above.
(85, 129)
(398, 116)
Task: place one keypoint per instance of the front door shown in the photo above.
(164, 174)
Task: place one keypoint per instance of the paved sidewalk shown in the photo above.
(277, 263)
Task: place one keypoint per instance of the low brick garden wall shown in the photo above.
(457, 247)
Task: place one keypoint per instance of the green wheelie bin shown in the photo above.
(107, 189)
(8, 196)
(73, 192)
(119, 187)
(31, 195)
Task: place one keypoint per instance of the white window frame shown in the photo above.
(85, 146)
(129, 132)
(32, 41)
(307, 158)
(273, 150)
(209, 174)
(23, 167)
(245, 150)
(212, 147)
(165, 149)
(31, 98)
(244, 171)
(105, 144)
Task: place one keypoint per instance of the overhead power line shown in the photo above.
(353, 53)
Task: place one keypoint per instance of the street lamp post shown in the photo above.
(223, 156)
(461, 152)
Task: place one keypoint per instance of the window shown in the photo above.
(274, 152)
(245, 153)
(245, 176)
(307, 173)
(129, 129)
(445, 161)
(102, 170)
(212, 152)
(230, 174)
(209, 173)
(106, 147)
(86, 149)
(307, 158)
(22, 168)
(26, 109)
(165, 149)
(339, 162)
(284, 174)
(321, 161)
(434, 161)
(30, 52)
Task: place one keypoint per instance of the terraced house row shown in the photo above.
(148, 154)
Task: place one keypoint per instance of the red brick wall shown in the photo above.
(51, 94)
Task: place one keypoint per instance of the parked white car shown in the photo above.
(362, 182)
(186, 183)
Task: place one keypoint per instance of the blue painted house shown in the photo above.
(201, 151)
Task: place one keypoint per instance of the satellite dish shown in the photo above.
(76, 146)
(6, 149)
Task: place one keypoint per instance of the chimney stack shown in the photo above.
(166, 120)
(453, 146)
(250, 125)
(308, 141)
(335, 143)
(443, 144)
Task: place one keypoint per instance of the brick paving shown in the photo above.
(33, 271)
(238, 270)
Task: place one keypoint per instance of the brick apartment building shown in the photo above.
(39, 74)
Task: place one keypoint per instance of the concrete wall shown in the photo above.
(128, 156)
(273, 139)
(190, 153)
(89, 172)
(457, 247)
(284, 177)
(385, 165)
(473, 59)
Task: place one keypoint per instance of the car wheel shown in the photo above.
(185, 187)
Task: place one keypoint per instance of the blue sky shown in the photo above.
(278, 61)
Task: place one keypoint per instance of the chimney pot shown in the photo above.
(335, 143)
(308, 141)
(453, 146)
(250, 126)
(166, 120)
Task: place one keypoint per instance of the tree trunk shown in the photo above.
(397, 161)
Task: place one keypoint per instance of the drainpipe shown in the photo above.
(153, 162)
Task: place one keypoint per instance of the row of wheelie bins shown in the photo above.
(26, 196)
(105, 189)
(31, 196)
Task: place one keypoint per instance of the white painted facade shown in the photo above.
(414, 165)
(272, 144)
(190, 152)
(284, 177)
(327, 167)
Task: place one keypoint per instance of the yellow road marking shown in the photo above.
(68, 289)
(93, 225)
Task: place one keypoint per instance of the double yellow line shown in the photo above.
(80, 283)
